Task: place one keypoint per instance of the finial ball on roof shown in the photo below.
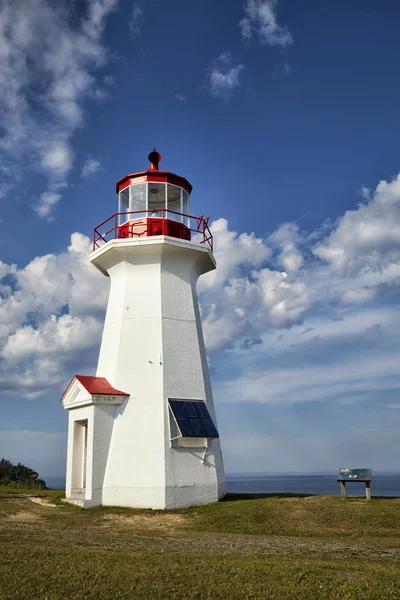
(154, 158)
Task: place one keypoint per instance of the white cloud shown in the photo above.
(90, 167)
(56, 158)
(287, 238)
(48, 59)
(359, 295)
(260, 19)
(224, 77)
(62, 334)
(233, 253)
(136, 18)
(244, 297)
(366, 239)
(46, 203)
(48, 329)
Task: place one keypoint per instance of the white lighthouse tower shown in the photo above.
(143, 432)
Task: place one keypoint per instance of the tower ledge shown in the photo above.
(127, 247)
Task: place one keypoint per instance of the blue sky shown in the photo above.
(284, 117)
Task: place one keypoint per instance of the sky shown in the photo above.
(284, 117)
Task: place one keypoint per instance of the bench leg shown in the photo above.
(368, 490)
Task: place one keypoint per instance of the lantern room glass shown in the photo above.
(137, 197)
(123, 205)
(186, 208)
(174, 202)
(156, 200)
(154, 197)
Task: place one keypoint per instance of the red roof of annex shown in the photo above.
(96, 386)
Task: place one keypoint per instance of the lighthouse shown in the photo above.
(143, 432)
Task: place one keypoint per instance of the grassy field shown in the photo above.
(272, 547)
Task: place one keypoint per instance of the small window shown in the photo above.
(156, 198)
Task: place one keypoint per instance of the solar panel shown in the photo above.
(198, 428)
(185, 427)
(193, 418)
(178, 408)
(209, 427)
(202, 410)
(190, 410)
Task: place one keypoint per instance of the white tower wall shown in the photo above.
(153, 349)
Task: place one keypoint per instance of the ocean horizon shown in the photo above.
(383, 484)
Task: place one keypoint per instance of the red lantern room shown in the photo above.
(151, 203)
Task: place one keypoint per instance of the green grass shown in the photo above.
(274, 547)
(319, 516)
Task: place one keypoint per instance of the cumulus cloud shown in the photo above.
(260, 20)
(224, 77)
(359, 295)
(90, 168)
(46, 203)
(48, 62)
(245, 297)
(287, 238)
(366, 239)
(50, 319)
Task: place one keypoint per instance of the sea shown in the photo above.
(382, 484)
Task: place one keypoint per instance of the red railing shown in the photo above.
(140, 223)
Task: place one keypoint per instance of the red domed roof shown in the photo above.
(153, 174)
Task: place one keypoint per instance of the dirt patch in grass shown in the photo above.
(166, 522)
(23, 516)
(42, 502)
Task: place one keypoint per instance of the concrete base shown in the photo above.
(80, 500)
